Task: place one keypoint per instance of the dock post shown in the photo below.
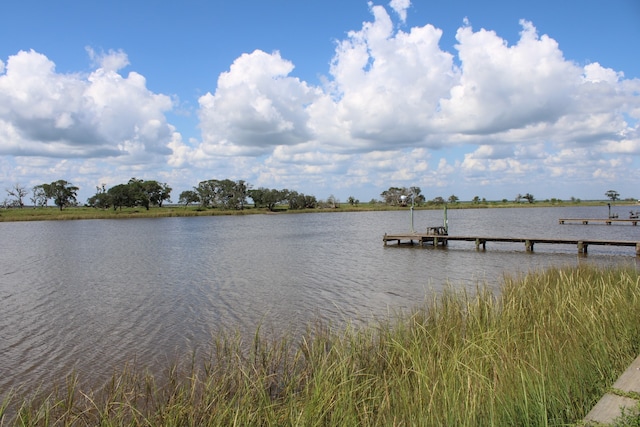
(384, 239)
(528, 244)
(638, 249)
(582, 247)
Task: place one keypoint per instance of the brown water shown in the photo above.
(89, 296)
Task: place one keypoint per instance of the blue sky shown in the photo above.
(345, 98)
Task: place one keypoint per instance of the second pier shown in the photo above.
(481, 241)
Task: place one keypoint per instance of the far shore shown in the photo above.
(51, 213)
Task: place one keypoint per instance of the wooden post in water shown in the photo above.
(582, 247)
(446, 220)
(528, 245)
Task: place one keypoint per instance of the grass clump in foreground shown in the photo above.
(542, 352)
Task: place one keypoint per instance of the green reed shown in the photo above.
(541, 352)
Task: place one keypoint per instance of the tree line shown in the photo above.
(228, 194)
(222, 194)
(61, 192)
(213, 193)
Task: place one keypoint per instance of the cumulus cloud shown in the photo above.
(400, 7)
(394, 109)
(393, 91)
(103, 114)
(256, 107)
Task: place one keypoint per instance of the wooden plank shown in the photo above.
(611, 405)
(581, 244)
(608, 221)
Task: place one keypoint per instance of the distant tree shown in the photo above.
(63, 193)
(613, 195)
(268, 198)
(353, 201)
(138, 193)
(453, 198)
(438, 200)
(100, 200)
(418, 198)
(401, 196)
(476, 200)
(333, 202)
(393, 195)
(18, 192)
(529, 197)
(41, 194)
(224, 194)
(187, 197)
(156, 192)
(120, 196)
(301, 201)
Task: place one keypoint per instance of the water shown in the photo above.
(90, 296)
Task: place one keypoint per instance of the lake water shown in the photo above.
(89, 296)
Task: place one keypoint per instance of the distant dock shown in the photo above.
(607, 221)
(481, 242)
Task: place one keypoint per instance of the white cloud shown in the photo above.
(70, 115)
(400, 7)
(256, 107)
(394, 109)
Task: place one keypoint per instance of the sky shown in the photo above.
(339, 98)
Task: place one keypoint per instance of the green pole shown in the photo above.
(446, 220)
(412, 230)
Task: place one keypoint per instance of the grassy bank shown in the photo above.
(52, 213)
(541, 353)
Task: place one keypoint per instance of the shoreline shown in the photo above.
(79, 213)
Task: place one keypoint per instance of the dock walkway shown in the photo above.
(623, 395)
(607, 221)
(480, 241)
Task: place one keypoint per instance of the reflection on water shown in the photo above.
(91, 295)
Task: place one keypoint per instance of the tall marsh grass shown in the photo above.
(542, 352)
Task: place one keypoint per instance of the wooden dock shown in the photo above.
(481, 242)
(607, 221)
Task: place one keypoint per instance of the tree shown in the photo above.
(393, 196)
(187, 197)
(333, 202)
(438, 200)
(156, 192)
(301, 201)
(18, 192)
(613, 195)
(225, 194)
(529, 197)
(138, 194)
(476, 200)
(453, 199)
(269, 198)
(63, 193)
(400, 196)
(101, 199)
(418, 198)
(120, 195)
(41, 195)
